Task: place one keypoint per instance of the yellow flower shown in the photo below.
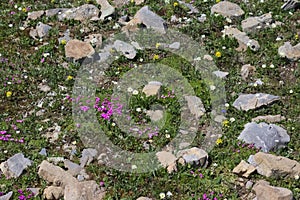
(157, 45)
(219, 141)
(63, 42)
(52, 1)
(155, 57)
(24, 9)
(296, 36)
(225, 123)
(132, 1)
(218, 1)
(69, 77)
(8, 94)
(218, 54)
(175, 4)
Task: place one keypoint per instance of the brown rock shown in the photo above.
(247, 70)
(53, 192)
(35, 15)
(152, 88)
(167, 159)
(244, 169)
(77, 49)
(227, 9)
(269, 118)
(264, 191)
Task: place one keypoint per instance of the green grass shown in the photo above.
(24, 66)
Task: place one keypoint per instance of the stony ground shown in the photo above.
(255, 47)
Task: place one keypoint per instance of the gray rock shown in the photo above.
(264, 191)
(77, 49)
(193, 155)
(150, 19)
(265, 136)
(88, 155)
(81, 13)
(33, 33)
(127, 49)
(195, 105)
(56, 160)
(227, 9)
(220, 74)
(175, 45)
(247, 70)
(242, 38)
(66, 37)
(244, 169)
(35, 191)
(155, 115)
(274, 166)
(289, 51)
(42, 29)
(106, 9)
(55, 11)
(73, 168)
(192, 8)
(152, 88)
(269, 118)
(43, 152)
(35, 15)
(252, 24)
(94, 39)
(6, 196)
(14, 166)
(252, 101)
(249, 185)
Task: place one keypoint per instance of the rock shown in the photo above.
(56, 160)
(252, 24)
(149, 19)
(84, 190)
(264, 191)
(227, 9)
(247, 70)
(192, 8)
(167, 159)
(106, 9)
(73, 168)
(202, 18)
(94, 39)
(127, 49)
(269, 118)
(43, 152)
(152, 88)
(252, 101)
(289, 51)
(220, 74)
(66, 37)
(208, 57)
(274, 166)
(55, 11)
(33, 33)
(35, 15)
(77, 49)
(139, 2)
(155, 115)
(143, 198)
(244, 169)
(81, 13)
(175, 45)
(291, 4)
(120, 3)
(195, 105)
(6, 196)
(44, 88)
(249, 185)
(35, 191)
(53, 192)
(193, 156)
(42, 29)
(14, 166)
(88, 155)
(265, 136)
(242, 38)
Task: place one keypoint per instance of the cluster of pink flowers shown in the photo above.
(169, 95)
(4, 136)
(210, 196)
(197, 173)
(108, 108)
(22, 195)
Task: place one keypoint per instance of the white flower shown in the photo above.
(291, 91)
(169, 194)
(272, 66)
(231, 119)
(10, 25)
(16, 6)
(228, 20)
(138, 109)
(162, 195)
(133, 167)
(168, 136)
(227, 105)
(129, 89)
(215, 164)
(264, 66)
(212, 87)
(20, 8)
(22, 28)
(278, 38)
(135, 92)
(113, 124)
(281, 82)
(297, 177)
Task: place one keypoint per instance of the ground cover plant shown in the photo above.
(33, 117)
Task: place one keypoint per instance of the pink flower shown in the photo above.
(84, 108)
(42, 60)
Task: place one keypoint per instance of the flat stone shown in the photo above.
(289, 51)
(143, 198)
(244, 169)
(252, 101)
(42, 29)
(81, 13)
(167, 159)
(265, 136)
(269, 118)
(264, 191)
(192, 8)
(155, 115)
(127, 49)
(252, 24)
(220, 74)
(77, 49)
(227, 9)
(193, 156)
(6, 196)
(247, 70)
(43, 152)
(14, 166)
(53, 192)
(88, 155)
(195, 106)
(175, 45)
(106, 9)
(35, 15)
(73, 168)
(55, 11)
(274, 166)
(152, 88)
(242, 38)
